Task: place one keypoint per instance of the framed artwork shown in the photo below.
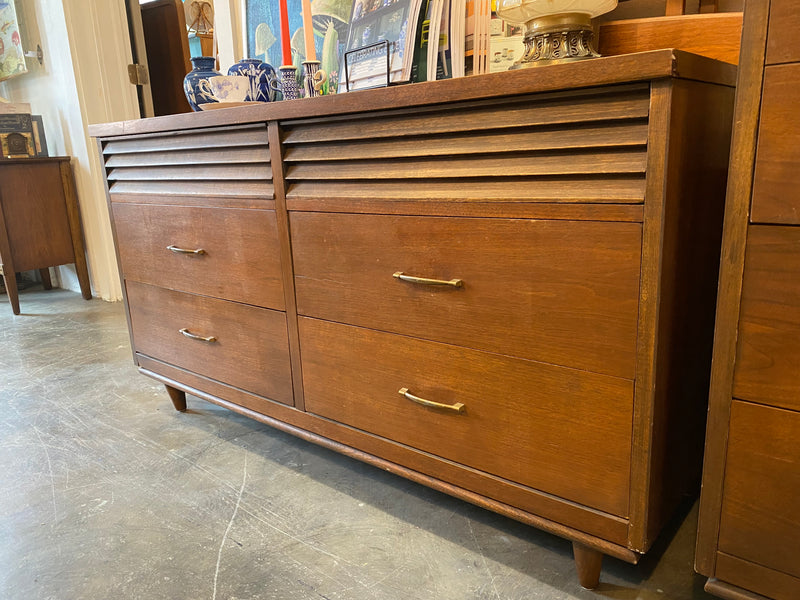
(39, 139)
(12, 56)
(330, 19)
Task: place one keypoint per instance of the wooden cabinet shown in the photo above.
(501, 287)
(749, 533)
(40, 223)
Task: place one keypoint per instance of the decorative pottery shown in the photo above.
(195, 84)
(313, 78)
(288, 83)
(261, 75)
(230, 88)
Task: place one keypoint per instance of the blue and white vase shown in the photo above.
(261, 75)
(287, 85)
(195, 84)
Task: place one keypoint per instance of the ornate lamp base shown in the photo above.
(557, 38)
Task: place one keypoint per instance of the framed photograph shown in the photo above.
(367, 67)
(16, 136)
(17, 145)
(39, 139)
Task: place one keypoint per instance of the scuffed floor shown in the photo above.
(108, 493)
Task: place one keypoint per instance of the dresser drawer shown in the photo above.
(250, 348)
(562, 431)
(784, 21)
(760, 519)
(240, 257)
(768, 353)
(589, 147)
(563, 292)
(777, 171)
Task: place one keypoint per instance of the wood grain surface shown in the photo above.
(548, 147)
(747, 575)
(251, 350)
(777, 175)
(562, 431)
(737, 212)
(715, 35)
(557, 515)
(563, 292)
(240, 259)
(35, 213)
(784, 22)
(760, 512)
(690, 126)
(221, 162)
(768, 352)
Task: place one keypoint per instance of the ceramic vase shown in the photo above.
(287, 84)
(261, 75)
(195, 84)
(313, 78)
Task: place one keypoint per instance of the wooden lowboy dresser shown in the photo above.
(749, 532)
(502, 287)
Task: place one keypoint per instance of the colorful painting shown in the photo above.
(330, 19)
(12, 57)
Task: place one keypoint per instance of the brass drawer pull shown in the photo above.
(457, 407)
(425, 281)
(177, 250)
(193, 336)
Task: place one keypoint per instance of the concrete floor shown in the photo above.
(108, 493)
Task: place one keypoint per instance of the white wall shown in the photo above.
(82, 81)
(229, 16)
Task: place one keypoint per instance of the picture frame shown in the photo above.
(39, 138)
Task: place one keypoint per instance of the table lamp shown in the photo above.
(555, 30)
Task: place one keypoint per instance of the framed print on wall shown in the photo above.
(330, 19)
(12, 57)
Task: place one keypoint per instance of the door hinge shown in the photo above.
(137, 74)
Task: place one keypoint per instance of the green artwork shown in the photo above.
(330, 18)
(12, 58)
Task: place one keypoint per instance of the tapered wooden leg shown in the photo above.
(74, 216)
(178, 398)
(10, 281)
(46, 281)
(588, 562)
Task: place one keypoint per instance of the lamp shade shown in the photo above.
(521, 11)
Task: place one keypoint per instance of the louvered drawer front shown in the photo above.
(563, 431)
(586, 147)
(226, 253)
(224, 162)
(244, 346)
(563, 292)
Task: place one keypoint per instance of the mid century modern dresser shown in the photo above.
(749, 534)
(502, 286)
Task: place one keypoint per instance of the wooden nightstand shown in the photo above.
(40, 223)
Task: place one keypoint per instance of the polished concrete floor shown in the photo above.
(108, 493)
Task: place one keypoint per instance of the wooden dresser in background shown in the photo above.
(749, 534)
(502, 286)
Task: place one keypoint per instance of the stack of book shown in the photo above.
(21, 133)
(395, 41)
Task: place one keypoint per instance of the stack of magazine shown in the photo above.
(398, 41)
